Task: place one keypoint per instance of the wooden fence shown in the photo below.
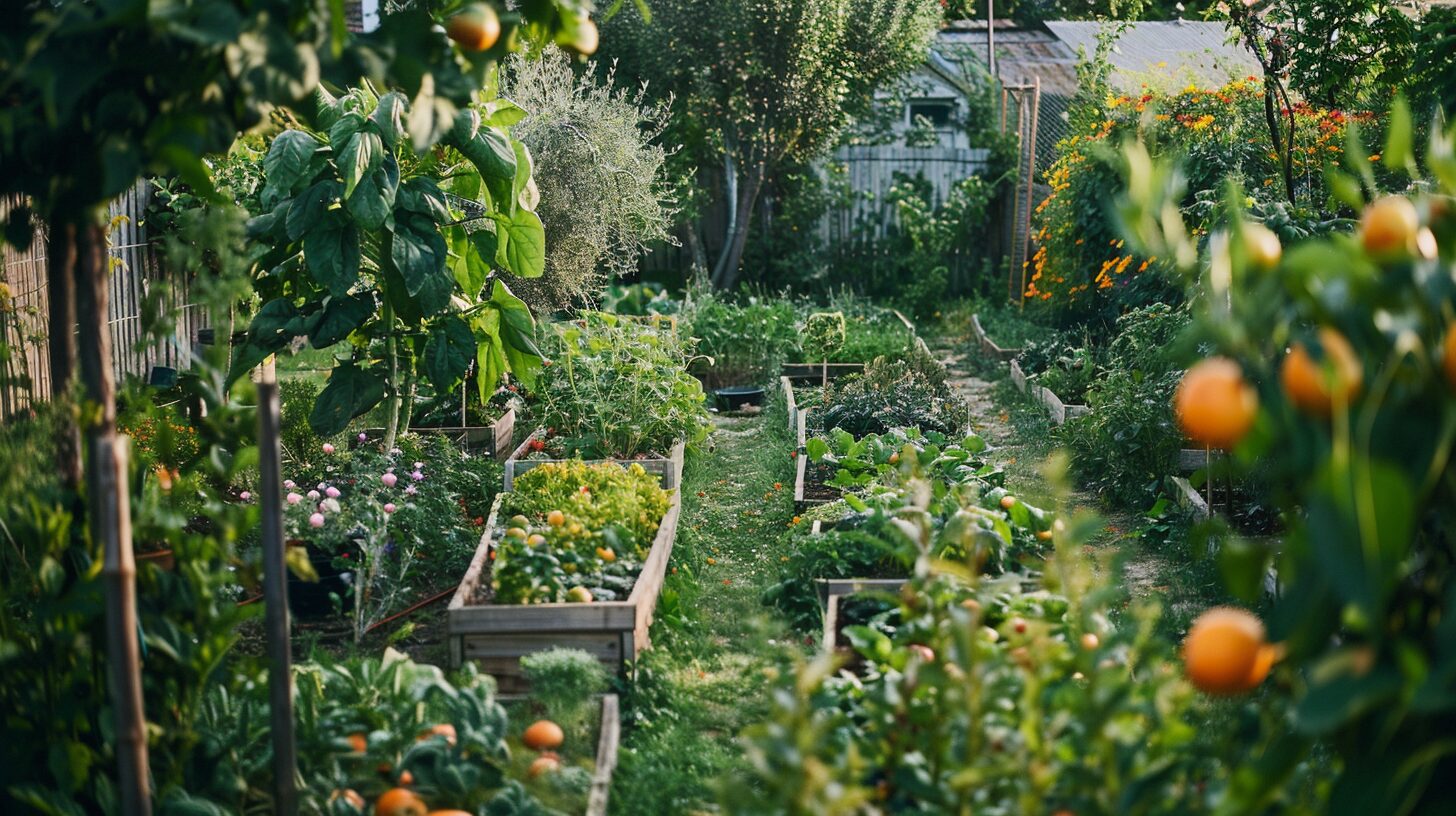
(136, 274)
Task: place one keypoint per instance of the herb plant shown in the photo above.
(617, 388)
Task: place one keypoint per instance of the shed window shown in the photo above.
(938, 112)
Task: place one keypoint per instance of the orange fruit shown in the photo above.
(1214, 404)
(606, 554)
(1044, 535)
(450, 813)
(555, 518)
(1312, 386)
(1449, 363)
(1008, 502)
(544, 764)
(543, 735)
(1090, 641)
(406, 778)
(1262, 245)
(445, 730)
(1388, 227)
(1225, 652)
(358, 742)
(399, 802)
(476, 28)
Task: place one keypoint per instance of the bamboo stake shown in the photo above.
(1030, 180)
(61, 328)
(109, 517)
(275, 593)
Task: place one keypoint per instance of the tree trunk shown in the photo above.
(730, 196)
(726, 275)
(109, 515)
(61, 326)
(699, 257)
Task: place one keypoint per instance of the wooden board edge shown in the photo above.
(608, 742)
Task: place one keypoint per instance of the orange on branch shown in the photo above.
(1214, 404)
(1312, 385)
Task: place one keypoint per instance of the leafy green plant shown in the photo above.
(565, 683)
(396, 252)
(572, 531)
(891, 393)
(362, 725)
(617, 387)
(740, 343)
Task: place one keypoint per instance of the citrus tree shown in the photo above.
(1334, 374)
(396, 251)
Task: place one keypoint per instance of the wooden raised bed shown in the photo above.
(1057, 411)
(495, 439)
(608, 740)
(1191, 460)
(668, 468)
(806, 372)
(497, 636)
(801, 467)
(988, 346)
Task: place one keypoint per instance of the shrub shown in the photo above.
(891, 393)
(617, 387)
(604, 197)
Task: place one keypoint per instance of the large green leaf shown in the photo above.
(309, 206)
(340, 317)
(523, 189)
(501, 113)
(345, 126)
(495, 158)
(421, 195)
(332, 256)
(522, 248)
(288, 158)
(448, 352)
(517, 333)
(360, 154)
(374, 198)
(418, 251)
(350, 392)
(471, 254)
(270, 324)
(388, 118)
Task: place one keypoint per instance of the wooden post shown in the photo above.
(991, 38)
(109, 516)
(275, 595)
(1030, 180)
(61, 328)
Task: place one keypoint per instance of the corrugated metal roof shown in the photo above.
(1181, 50)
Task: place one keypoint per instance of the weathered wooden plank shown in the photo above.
(1191, 460)
(669, 468)
(609, 737)
(1189, 498)
(1018, 377)
(830, 587)
(605, 646)
(494, 440)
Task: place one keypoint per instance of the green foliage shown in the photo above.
(740, 343)
(1367, 492)
(365, 246)
(392, 703)
(565, 683)
(600, 172)
(609, 518)
(617, 387)
(823, 335)
(909, 391)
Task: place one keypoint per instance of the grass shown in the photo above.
(704, 679)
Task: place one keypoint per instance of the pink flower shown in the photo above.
(389, 479)
(294, 498)
(316, 520)
(419, 465)
(322, 485)
(313, 495)
(417, 476)
(410, 490)
(288, 483)
(363, 437)
(328, 448)
(332, 492)
(389, 507)
(245, 495)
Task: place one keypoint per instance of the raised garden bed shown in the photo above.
(497, 636)
(809, 490)
(495, 439)
(669, 467)
(1057, 411)
(608, 741)
(988, 346)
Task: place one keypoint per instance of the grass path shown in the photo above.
(704, 679)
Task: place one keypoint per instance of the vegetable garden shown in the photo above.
(459, 504)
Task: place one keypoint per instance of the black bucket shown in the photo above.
(738, 397)
(310, 599)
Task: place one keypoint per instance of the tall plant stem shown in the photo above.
(109, 515)
(391, 352)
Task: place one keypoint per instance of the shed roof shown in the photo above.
(1200, 51)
